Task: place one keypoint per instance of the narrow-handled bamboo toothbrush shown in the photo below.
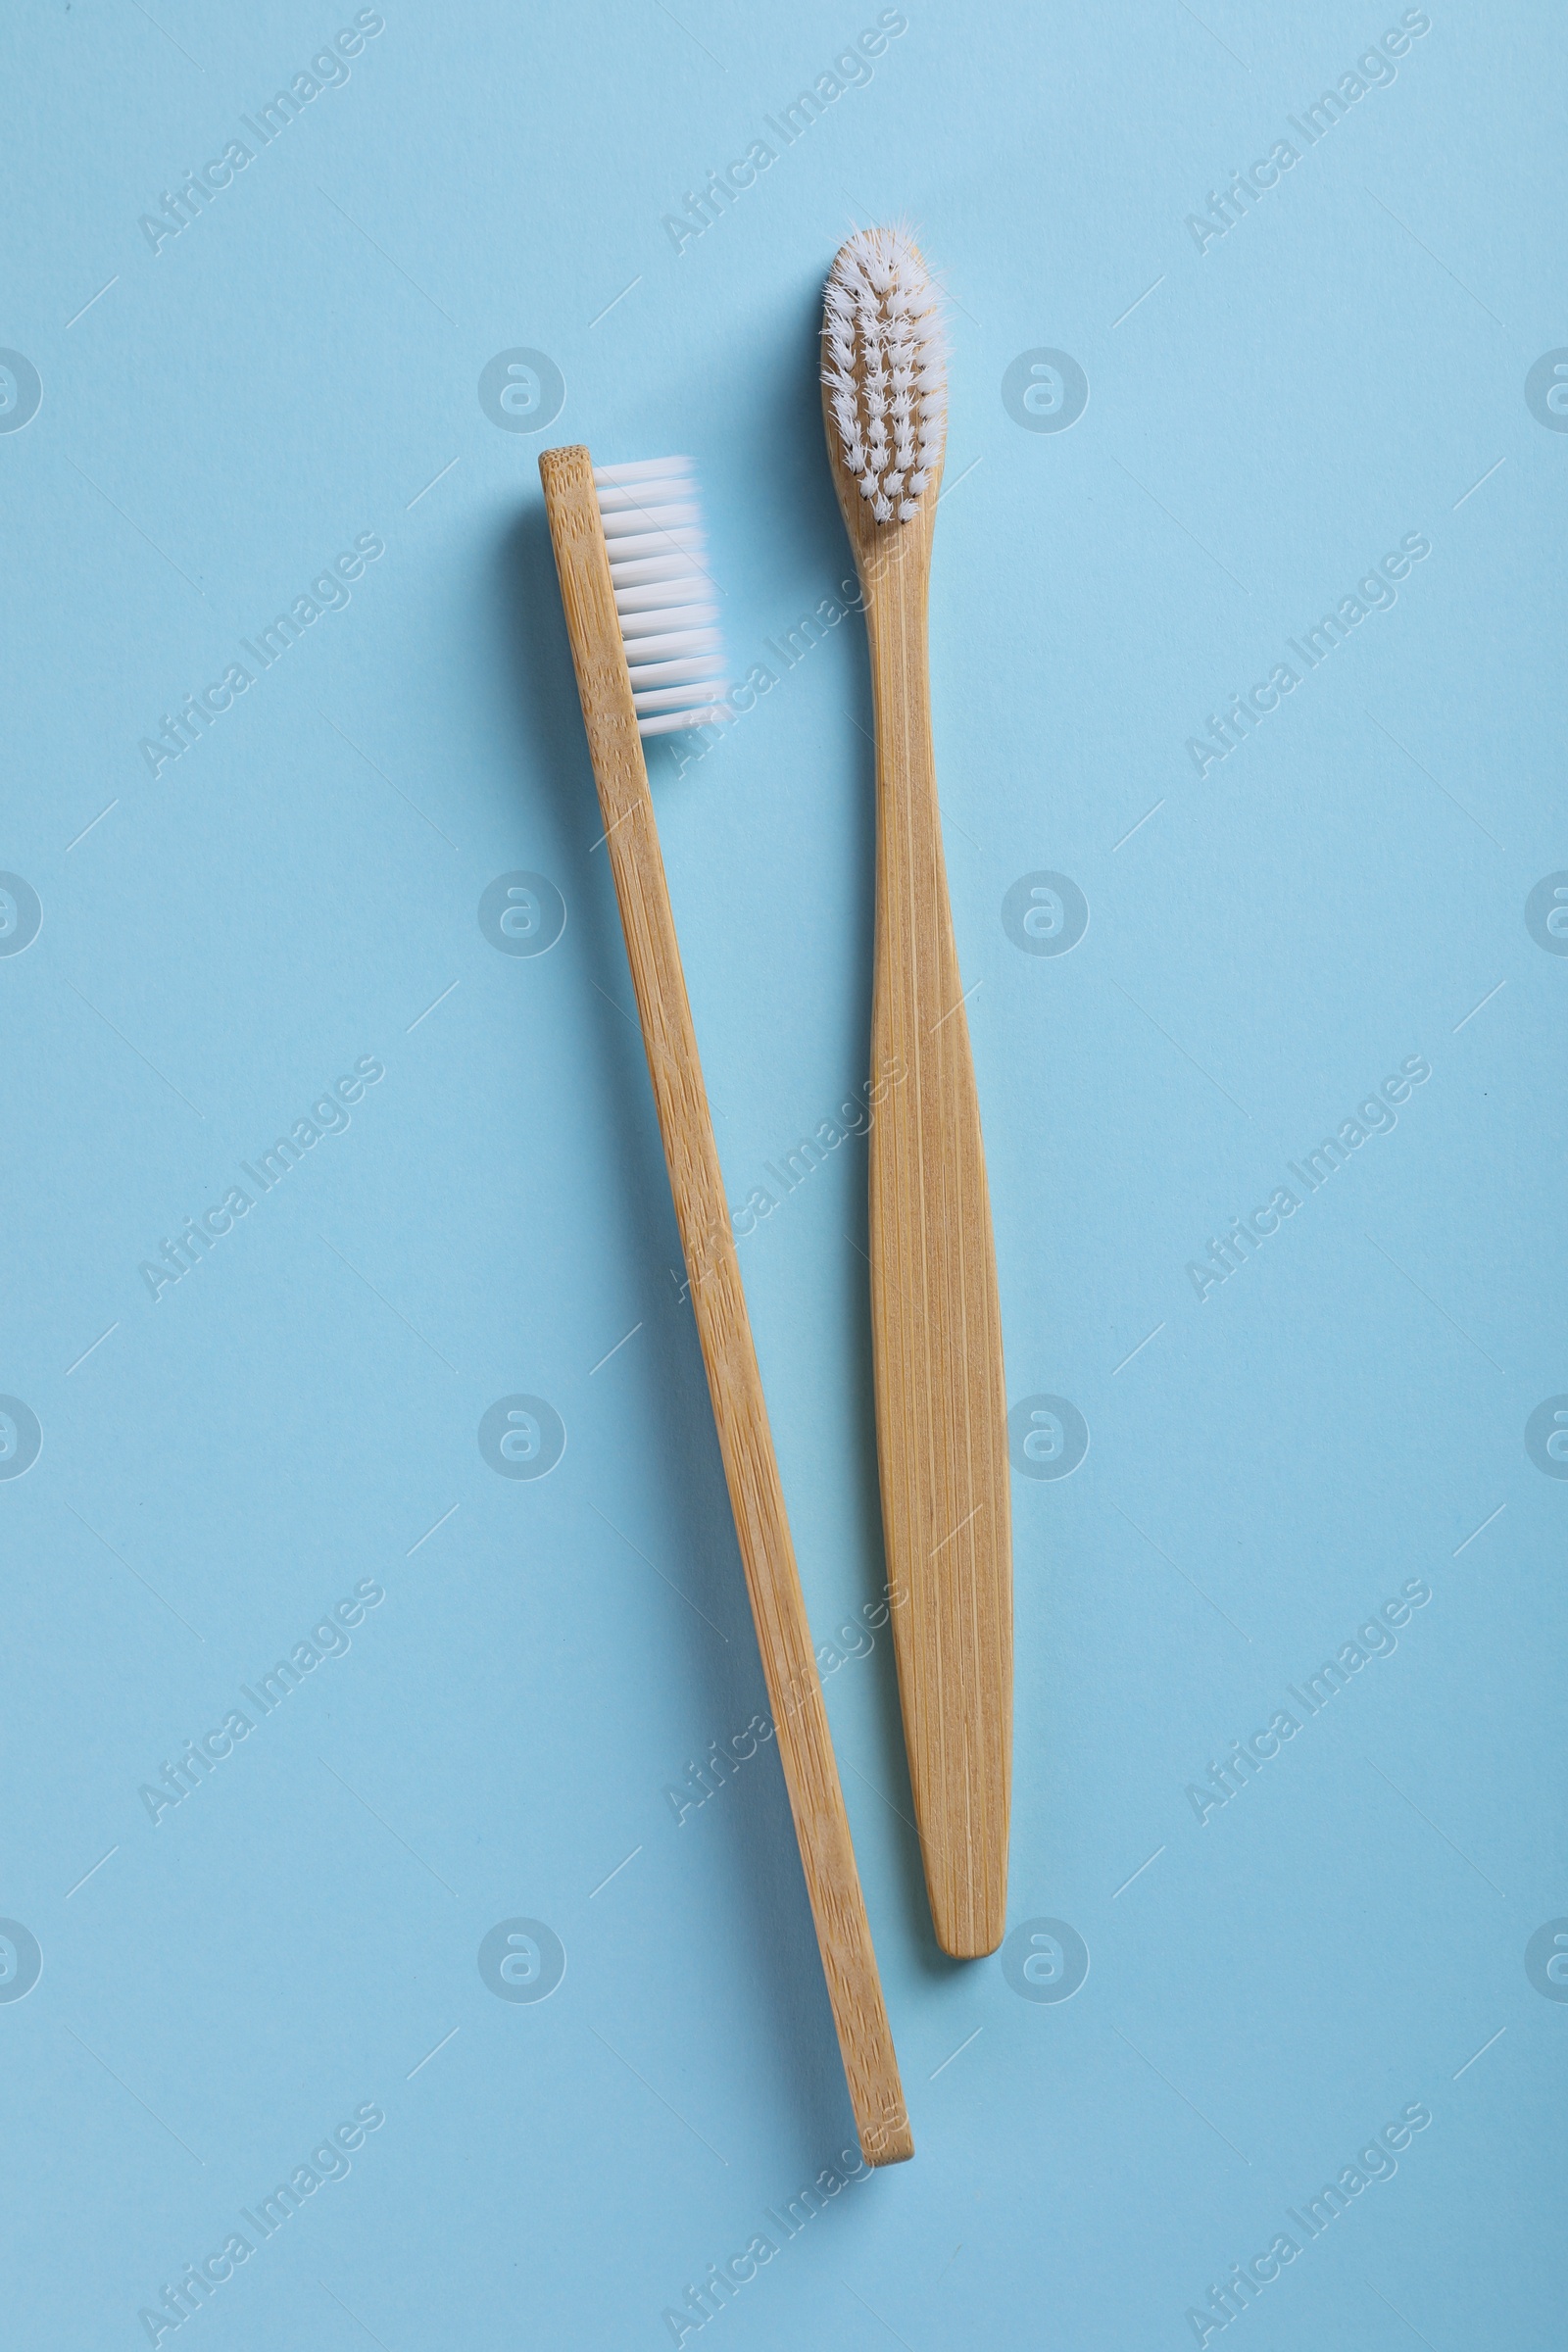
(936, 1326)
(629, 554)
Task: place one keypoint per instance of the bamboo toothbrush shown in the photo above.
(639, 613)
(941, 1406)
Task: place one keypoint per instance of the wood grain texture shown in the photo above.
(936, 1323)
(784, 1636)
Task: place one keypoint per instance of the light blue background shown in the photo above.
(298, 367)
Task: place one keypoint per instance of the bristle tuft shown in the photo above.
(884, 360)
(664, 597)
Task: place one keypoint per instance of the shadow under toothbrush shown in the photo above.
(759, 1856)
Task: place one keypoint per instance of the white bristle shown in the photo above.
(678, 589)
(884, 360)
(673, 645)
(711, 714)
(651, 490)
(629, 547)
(664, 597)
(637, 627)
(678, 697)
(646, 469)
(643, 517)
(668, 570)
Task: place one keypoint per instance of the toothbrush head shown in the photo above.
(885, 373)
(665, 598)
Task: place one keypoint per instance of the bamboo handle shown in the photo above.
(784, 1636)
(941, 1402)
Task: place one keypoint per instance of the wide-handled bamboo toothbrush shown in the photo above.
(628, 551)
(941, 1406)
